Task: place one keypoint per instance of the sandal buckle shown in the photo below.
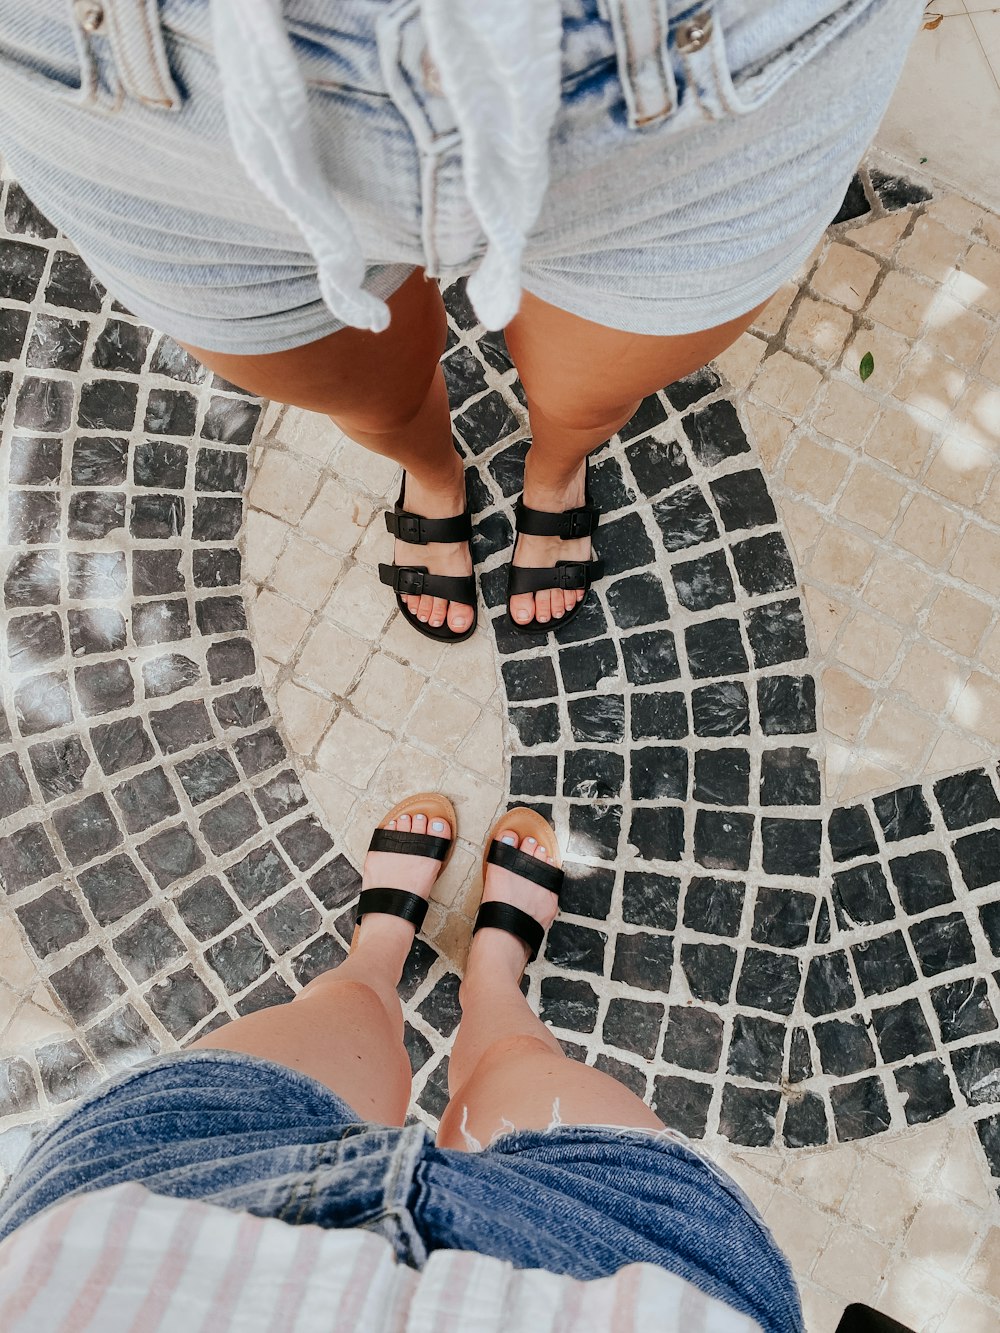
(571, 576)
(409, 528)
(409, 582)
(578, 523)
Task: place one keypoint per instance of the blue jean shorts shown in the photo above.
(665, 223)
(247, 1134)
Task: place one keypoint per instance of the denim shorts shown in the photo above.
(667, 222)
(247, 1134)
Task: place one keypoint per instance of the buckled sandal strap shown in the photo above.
(528, 867)
(567, 574)
(570, 524)
(416, 529)
(413, 580)
(393, 902)
(409, 844)
(504, 916)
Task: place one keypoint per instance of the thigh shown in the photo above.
(580, 373)
(354, 375)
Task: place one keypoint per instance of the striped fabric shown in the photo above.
(124, 1260)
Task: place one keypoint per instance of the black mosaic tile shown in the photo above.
(896, 191)
(533, 775)
(903, 814)
(233, 659)
(507, 469)
(649, 899)
(966, 799)
(113, 889)
(988, 1130)
(486, 422)
(42, 703)
(855, 202)
(216, 568)
(829, 988)
(33, 518)
(183, 725)
(228, 825)
(216, 520)
(87, 985)
(34, 461)
(643, 961)
(925, 1091)
(419, 962)
(989, 918)
(756, 1048)
(32, 580)
(34, 640)
(656, 715)
(587, 891)
(230, 420)
(656, 833)
(271, 991)
(748, 1115)
(693, 1039)
(21, 267)
(87, 829)
(769, 981)
(122, 744)
(703, 583)
(121, 1039)
(13, 332)
(72, 284)
(95, 514)
(98, 629)
(14, 791)
(777, 633)
(647, 416)
(52, 921)
(23, 218)
(657, 772)
(167, 674)
(684, 519)
(805, 1124)
(17, 1087)
(99, 460)
(715, 648)
(418, 1048)
(593, 774)
(633, 1025)
(206, 908)
(104, 687)
(44, 404)
(622, 1072)
(902, 1031)
(156, 516)
(763, 564)
(682, 1104)
(239, 959)
(536, 726)
(121, 346)
(709, 970)
(883, 964)
(637, 600)
(181, 1001)
(861, 896)
(336, 883)
(170, 412)
(576, 948)
(261, 873)
(977, 1071)
(148, 946)
(608, 488)
(169, 359)
(220, 470)
(782, 917)
(787, 705)
(715, 432)
(171, 855)
(722, 777)
(714, 906)
(922, 880)
(207, 775)
(305, 842)
(65, 1071)
(650, 657)
(289, 921)
(942, 943)
(722, 709)
(440, 1007)
(260, 751)
(107, 405)
(859, 1109)
(722, 839)
(978, 857)
(743, 500)
(657, 465)
(963, 1008)
(531, 678)
(789, 777)
(800, 1063)
(158, 463)
(145, 799)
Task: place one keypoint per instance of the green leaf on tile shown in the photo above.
(867, 365)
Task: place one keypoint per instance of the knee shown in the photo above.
(574, 412)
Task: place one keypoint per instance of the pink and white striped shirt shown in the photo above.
(124, 1260)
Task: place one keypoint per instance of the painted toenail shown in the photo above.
(438, 825)
(509, 839)
(542, 850)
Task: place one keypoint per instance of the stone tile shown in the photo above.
(819, 329)
(953, 752)
(942, 1235)
(977, 559)
(845, 413)
(827, 615)
(962, 1174)
(278, 625)
(960, 470)
(869, 646)
(880, 237)
(929, 530)
(871, 499)
(978, 707)
(483, 750)
(957, 332)
(840, 558)
(405, 770)
(360, 604)
(899, 737)
(928, 677)
(338, 517)
(882, 1199)
(846, 703)
(977, 281)
(786, 384)
(903, 303)
(283, 486)
(845, 276)
(305, 573)
(931, 250)
(816, 470)
(852, 1265)
(376, 474)
(991, 361)
(332, 658)
(985, 1269)
(311, 434)
(739, 362)
(353, 749)
(771, 318)
(798, 1227)
(386, 691)
(305, 715)
(910, 1291)
(265, 536)
(441, 720)
(887, 349)
(470, 667)
(970, 1314)
(769, 431)
(958, 621)
(977, 415)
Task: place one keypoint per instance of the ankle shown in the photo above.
(496, 961)
(445, 480)
(560, 483)
(381, 947)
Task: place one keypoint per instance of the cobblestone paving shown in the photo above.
(761, 964)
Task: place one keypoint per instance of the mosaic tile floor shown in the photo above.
(772, 762)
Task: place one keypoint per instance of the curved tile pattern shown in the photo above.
(758, 965)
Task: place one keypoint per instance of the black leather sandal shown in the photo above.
(401, 902)
(505, 916)
(566, 574)
(413, 580)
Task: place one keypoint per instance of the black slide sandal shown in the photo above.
(505, 916)
(413, 580)
(401, 902)
(566, 574)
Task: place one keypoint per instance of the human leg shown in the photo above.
(345, 1028)
(387, 392)
(506, 1069)
(582, 382)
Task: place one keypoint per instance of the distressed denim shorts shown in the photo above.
(687, 182)
(247, 1134)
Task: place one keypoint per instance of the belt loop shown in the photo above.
(133, 28)
(647, 75)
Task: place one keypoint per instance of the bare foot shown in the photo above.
(550, 604)
(504, 886)
(397, 870)
(437, 557)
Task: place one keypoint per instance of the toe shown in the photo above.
(559, 604)
(541, 853)
(412, 604)
(440, 828)
(403, 824)
(419, 824)
(391, 824)
(424, 607)
(439, 610)
(509, 837)
(459, 617)
(522, 608)
(543, 606)
(529, 845)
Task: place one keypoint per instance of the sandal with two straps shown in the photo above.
(401, 902)
(569, 575)
(415, 580)
(505, 916)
